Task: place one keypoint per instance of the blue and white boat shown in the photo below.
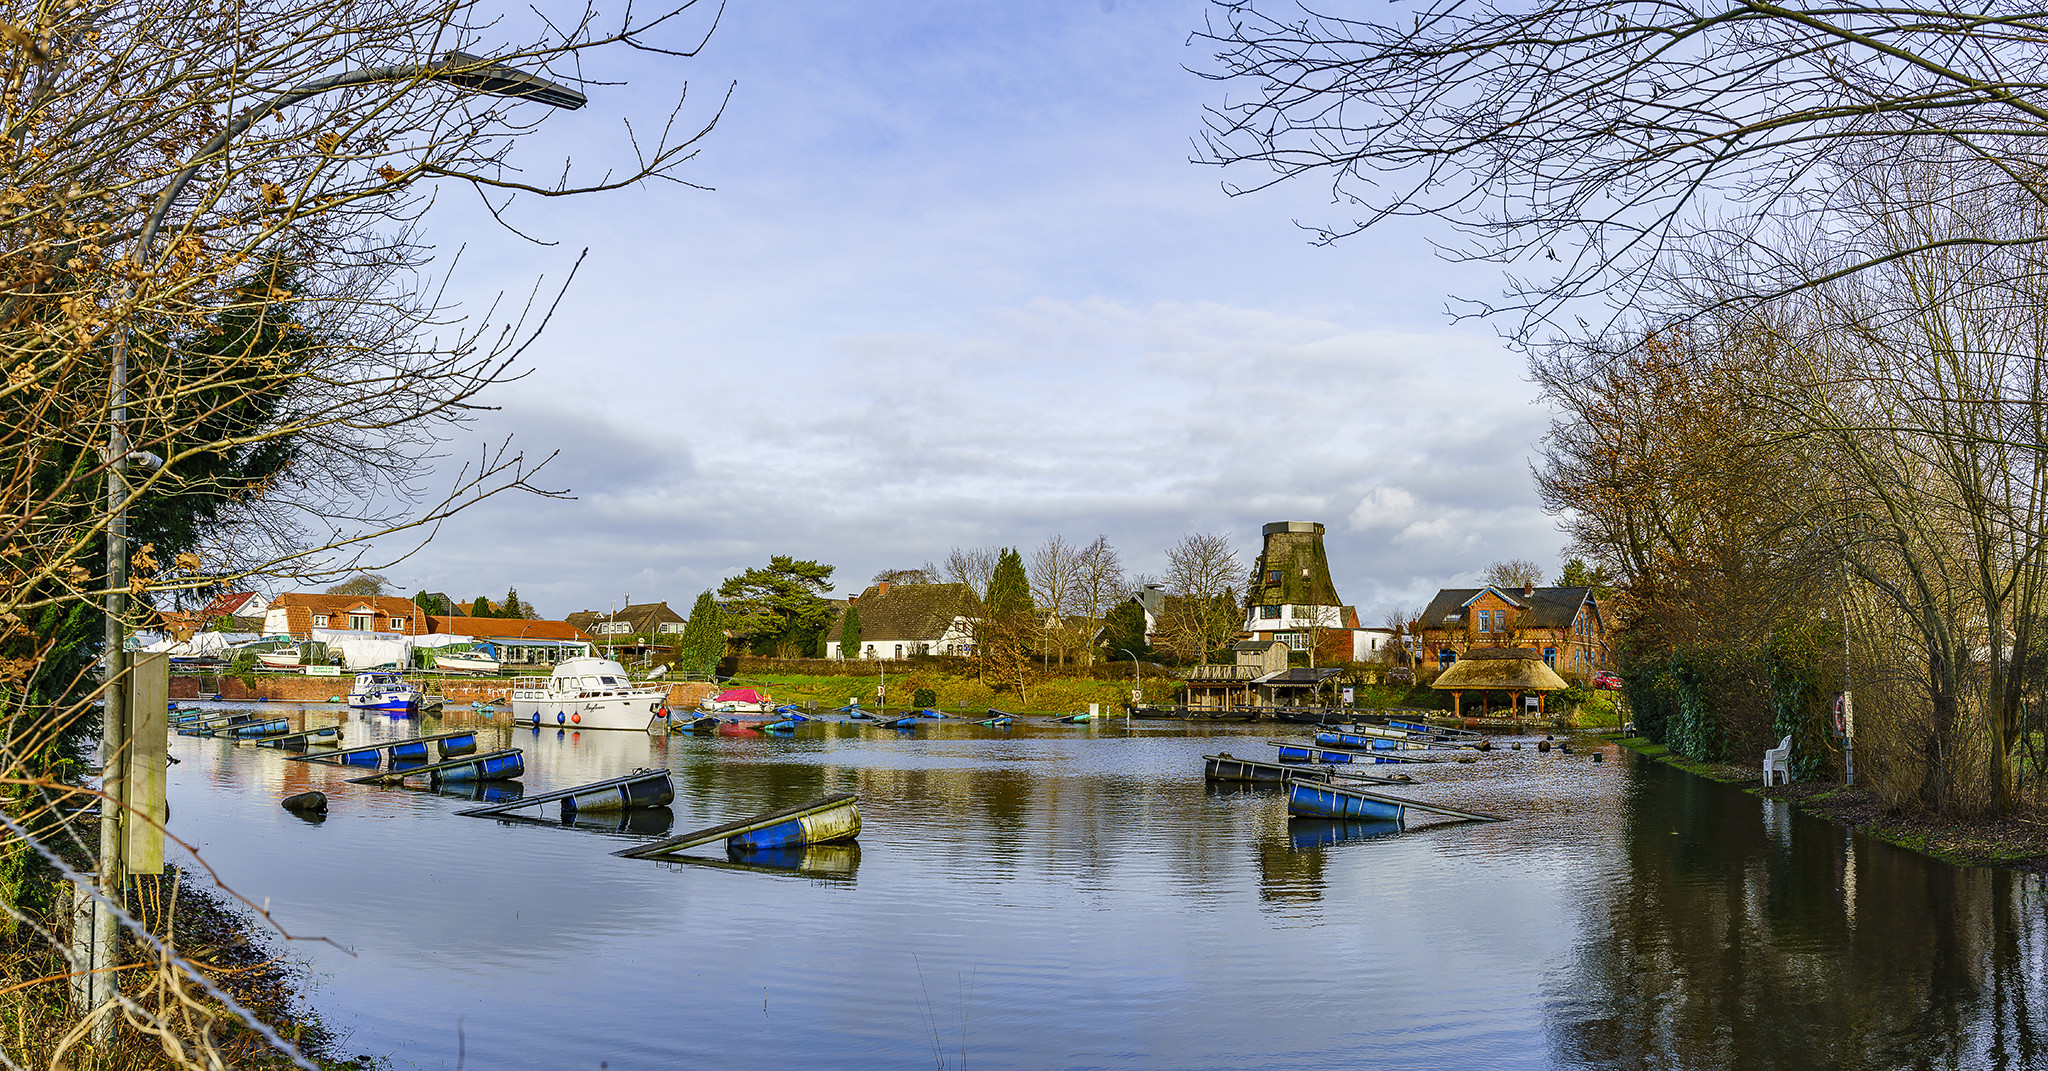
(383, 690)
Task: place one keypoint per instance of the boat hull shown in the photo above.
(466, 664)
(546, 708)
(1329, 801)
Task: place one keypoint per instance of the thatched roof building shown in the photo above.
(1498, 669)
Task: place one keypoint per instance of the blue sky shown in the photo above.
(957, 283)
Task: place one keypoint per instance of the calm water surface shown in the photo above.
(1062, 897)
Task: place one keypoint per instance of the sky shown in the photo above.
(954, 281)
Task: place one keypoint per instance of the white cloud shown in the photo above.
(1383, 507)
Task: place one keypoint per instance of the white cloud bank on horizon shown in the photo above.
(1075, 418)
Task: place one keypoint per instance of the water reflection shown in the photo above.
(1082, 899)
(1743, 935)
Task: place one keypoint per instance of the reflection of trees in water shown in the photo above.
(1733, 942)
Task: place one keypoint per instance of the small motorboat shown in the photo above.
(383, 690)
(482, 658)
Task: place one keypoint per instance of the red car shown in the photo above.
(1609, 681)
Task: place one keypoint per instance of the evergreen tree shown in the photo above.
(1124, 631)
(1009, 590)
(782, 608)
(849, 633)
(480, 608)
(512, 607)
(703, 642)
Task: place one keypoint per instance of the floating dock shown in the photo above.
(1309, 800)
(410, 749)
(821, 821)
(641, 788)
(489, 766)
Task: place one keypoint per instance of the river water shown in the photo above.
(1075, 897)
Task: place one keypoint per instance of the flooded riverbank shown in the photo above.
(1076, 897)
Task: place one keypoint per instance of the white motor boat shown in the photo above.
(587, 693)
(383, 690)
(289, 658)
(483, 658)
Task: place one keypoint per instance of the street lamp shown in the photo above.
(455, 68)
(1138, 675)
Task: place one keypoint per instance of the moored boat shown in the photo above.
(587, 693)
(383, 690)
(483, 658)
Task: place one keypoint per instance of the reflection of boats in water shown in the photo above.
(1306, 834)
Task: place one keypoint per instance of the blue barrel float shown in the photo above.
(1291, 753)
(263, 728)
(457, 746)
(648, 788)
(1331, 801)
(496, 766)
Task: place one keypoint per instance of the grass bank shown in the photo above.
(2015, 842)
(954, 691)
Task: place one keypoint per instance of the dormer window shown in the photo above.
(319, 620)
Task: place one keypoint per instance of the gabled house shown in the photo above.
(299, 613)
(901, 620)
(636, 619)
(1563, 625)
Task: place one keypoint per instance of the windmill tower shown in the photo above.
(1291, 596)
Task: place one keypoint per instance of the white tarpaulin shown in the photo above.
(203, 644)
(367, 650)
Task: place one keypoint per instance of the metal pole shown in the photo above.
(114, 715)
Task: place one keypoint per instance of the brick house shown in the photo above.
(299, 613)
(1563, 625)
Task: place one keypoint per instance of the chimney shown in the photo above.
(1528, 587)
(882, 588)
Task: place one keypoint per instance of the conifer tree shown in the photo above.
(849, 633)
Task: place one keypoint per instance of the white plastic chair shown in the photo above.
(1778, 761)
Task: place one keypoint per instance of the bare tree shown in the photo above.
(366, 584)
(215, 304)
(923, 574)
(1100, 585)
(1202, 610)
(1515, 573)
(1579, 142)
(973, 566)
(1055, 573)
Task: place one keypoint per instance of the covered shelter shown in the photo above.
(1514, 670)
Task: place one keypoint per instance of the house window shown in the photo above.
(899, 650)
(1295, 641)
(870, 652)
(1486, 620)
(1550, 657)
(359, 622)
(319, 620)
(398, 624)
(1272, 576)
(1269, 613)
(1446, 656)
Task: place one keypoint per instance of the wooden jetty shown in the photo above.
(821, 821)
(1306, 799)
(490, 766)
(410, 749)
(641, 788)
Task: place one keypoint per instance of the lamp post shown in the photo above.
(455, 68)
(1138, 675)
